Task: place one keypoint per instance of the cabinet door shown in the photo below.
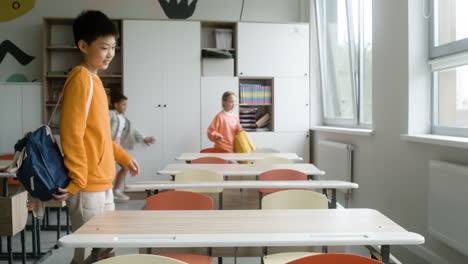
(263, 139)
(291, 98)
(266, 49)
(143, 85)
(212, 89)
(294, 142)
(10, 117)
(181, 68)
(31, 106)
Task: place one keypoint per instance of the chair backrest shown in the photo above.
(274, 160)
(179, 200)
(335, 258)
(210, 160)
(8, 156)
(14, 213)
(213, 150)
(280, 175)
(200, 175)
(295, 199)
(140, 259)
(266, 150)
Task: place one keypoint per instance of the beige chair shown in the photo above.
(282, 258)
(200, 175)
(13, 217)
(295, 199)
(274, 160)
(140, 259)
(292, 199)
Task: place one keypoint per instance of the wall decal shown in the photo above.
(9, 47)
(17, 77)
(11, 9)
(175, 10)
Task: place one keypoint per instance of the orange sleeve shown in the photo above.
(72, 129)
(213, 129)
(120, 155)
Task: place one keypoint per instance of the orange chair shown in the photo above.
(213, 150)
(181, 200)
(210, 160)
(335, 258)
(279, 175)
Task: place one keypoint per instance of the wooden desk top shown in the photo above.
(241, 169)
(164, 185)
(242, 228)
(237, 156)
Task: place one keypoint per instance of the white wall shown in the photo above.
(25, 31)
(393, 173)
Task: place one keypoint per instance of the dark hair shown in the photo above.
(91, 24)
(117, 98)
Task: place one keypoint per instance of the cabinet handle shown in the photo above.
(159, 105)
(165, 105)
(307, 104)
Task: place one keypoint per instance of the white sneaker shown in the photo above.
(120, 196)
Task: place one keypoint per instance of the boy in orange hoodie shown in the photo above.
(89, 151)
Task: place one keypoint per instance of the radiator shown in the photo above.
(448, 204)
(336, 159)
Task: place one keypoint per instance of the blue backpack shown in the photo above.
(40, 164)
(38, 160)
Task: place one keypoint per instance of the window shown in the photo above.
(345, 45)
(449, 65)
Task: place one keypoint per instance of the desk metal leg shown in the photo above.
(5, 187)
(333, 200)
(23, 247)
(385, 252)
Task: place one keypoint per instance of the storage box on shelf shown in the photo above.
(61, 55)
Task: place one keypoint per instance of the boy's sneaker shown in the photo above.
(120, 196)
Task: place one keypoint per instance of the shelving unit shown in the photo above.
(218, 59)
(256, 103)
(61, 55)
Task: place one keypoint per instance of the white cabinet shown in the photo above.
(20, 112)
(212, 89)
(291, 104)
(279, 50)
(162, 83)
(297, 142)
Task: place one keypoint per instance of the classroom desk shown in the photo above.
(241, 169)
(149, 186)
(241, 228)
(188, 157)
(5, 175)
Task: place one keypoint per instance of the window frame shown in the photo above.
(357, 66)
(443, 57)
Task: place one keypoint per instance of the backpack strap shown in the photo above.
(88, 103)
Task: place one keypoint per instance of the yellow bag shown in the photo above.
(243, 143)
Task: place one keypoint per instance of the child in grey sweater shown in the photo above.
(126, 135)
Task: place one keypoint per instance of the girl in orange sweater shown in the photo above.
(225, 125)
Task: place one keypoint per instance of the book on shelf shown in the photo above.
(249, 110)
(248, 120)
(263, 120)
(255, 94)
